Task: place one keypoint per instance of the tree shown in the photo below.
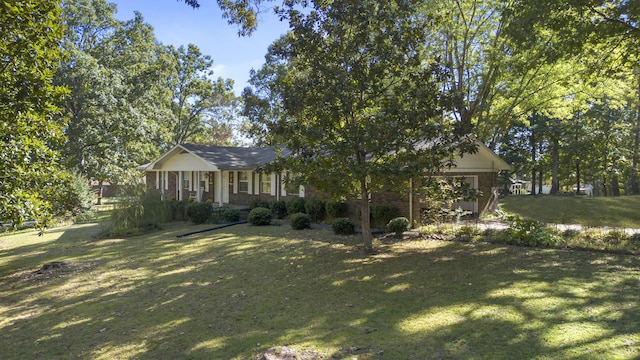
(114, 71)
(243, 13)
(200, 108)
(579, 25)
(358, 105)
(32, 186)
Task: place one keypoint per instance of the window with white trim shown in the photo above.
(186, 180)
(243, 181)
(265, 183)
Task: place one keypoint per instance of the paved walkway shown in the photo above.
(500, 225)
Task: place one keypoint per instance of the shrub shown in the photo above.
(300, 221)
(178, 210)
(260, 216)
(382, 214)
(226, 214)
(467, 233)
(398, 225)
(259, 203)
(343, 226)
(279, 209)
(635, 241)
(337, 209)
(137, 212)
(616, 239)
(295, 205)
(316, 209)
(80, 192)
(199, 212)
(530, 233)
(571, 233)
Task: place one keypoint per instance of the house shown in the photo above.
(519, 187)
(227, 175)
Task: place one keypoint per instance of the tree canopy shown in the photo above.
(31, 182)
(358, 105)
(131, 97)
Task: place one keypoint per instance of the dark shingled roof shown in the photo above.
(229, 157)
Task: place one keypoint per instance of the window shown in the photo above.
(243, 182)
(265, 183)
(186, 180)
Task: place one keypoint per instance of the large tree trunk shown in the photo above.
(100, 192)
(555, 159)
(635, 188)
(540, 183)
(533, 162)
(578, 176)
(365, 213)
(615, 185)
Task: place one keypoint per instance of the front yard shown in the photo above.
(615, 212)
(234, 292)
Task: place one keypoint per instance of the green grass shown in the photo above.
(623, 211)
(231, 293)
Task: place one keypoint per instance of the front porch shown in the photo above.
(220, 187)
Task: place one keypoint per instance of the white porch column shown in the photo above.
(273, 184)
(180, 185)
(219, 188)
(225, 186)
(197, 185)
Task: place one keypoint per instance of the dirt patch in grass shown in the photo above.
(53, 270)
(286, 353)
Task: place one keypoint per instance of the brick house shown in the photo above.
(227, 175)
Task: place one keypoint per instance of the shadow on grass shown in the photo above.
(234, 292)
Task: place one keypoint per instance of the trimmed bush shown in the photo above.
(178, 210)
(279, 209)
(260, 216)
(315, 208)
(382, 214)
(343, 226)
(259, 203)
(295, 205)
(337, 209)
(226, 214)
(398, 225)
(300, 221)
(199, 212)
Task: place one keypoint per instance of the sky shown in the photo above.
(176, 23)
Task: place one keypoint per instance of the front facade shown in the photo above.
(227, 175)
(217, 174)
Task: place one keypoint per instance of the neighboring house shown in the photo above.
(227, 175)
(519, 187)
(102, 188)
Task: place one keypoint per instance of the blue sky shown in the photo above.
(176, 23)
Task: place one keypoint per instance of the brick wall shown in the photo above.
(388, 197)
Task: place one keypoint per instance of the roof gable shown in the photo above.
(484, 160)
(190, 157)
(229, 157)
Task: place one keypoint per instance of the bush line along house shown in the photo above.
(227, 176)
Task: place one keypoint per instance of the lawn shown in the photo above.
(622, 212)
(233, 292)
